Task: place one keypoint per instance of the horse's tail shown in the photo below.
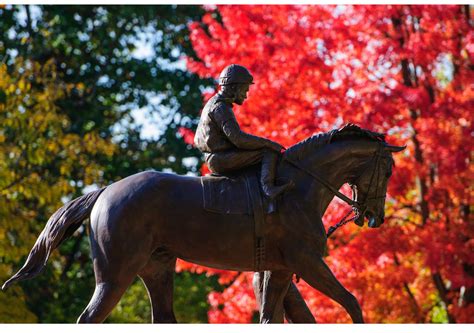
(59, 227)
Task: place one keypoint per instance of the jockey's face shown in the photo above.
(241, 93)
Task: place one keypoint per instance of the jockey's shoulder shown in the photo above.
(221, 104)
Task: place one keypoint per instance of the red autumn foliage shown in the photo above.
(404, 70)
(187, 135)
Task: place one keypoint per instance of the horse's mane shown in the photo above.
(317, 141)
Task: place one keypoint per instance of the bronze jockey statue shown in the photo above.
(225, 146)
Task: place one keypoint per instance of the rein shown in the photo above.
(358, 208)
(325, 183)
(343, 221)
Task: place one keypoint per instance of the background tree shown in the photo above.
(404, 70)
(71, 76)
(37, 157)
(116, 69)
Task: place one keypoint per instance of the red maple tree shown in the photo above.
(403, 70)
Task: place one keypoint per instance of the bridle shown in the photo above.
(359, 208)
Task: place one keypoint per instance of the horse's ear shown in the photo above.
(394, 149)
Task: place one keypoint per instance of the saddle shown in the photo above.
(239, 194)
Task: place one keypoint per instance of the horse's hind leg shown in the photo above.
(106, 296)
(158, 276)
(296, 310)
(117, 260)
(113, 275)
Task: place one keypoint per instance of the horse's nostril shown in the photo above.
(372, 223)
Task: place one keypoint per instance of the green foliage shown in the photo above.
(438, 313)
(62, 291)
(190, 300)
(190, 296)
(37, 157)
(94, 50)
(70, 80)
(13, 308)
(134, 307)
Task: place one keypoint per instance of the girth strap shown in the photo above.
(253, 186)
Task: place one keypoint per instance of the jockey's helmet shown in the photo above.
(235, 74)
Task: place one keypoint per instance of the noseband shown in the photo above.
(359, 208)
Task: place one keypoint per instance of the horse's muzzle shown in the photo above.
(373, 221)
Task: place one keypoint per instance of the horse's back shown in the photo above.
(145, 190)
(131, 205)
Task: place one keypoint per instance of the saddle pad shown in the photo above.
(226, 195)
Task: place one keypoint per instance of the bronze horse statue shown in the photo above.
(141, 224)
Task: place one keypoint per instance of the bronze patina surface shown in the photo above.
(140, 225)
(227, 148)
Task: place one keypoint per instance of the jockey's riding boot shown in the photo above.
(269, 164)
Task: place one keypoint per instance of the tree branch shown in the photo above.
(418, 312)
(443, 293)
(397, 24)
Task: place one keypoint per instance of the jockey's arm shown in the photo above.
(244, 140)
(225, 119)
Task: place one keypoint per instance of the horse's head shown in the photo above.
(370, 186)
(350, 154)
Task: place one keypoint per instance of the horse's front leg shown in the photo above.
(294, 307)
(270, 288)
(312, 268)
(296, 310)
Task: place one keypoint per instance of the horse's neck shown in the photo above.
(337, 164)
(346, 164)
